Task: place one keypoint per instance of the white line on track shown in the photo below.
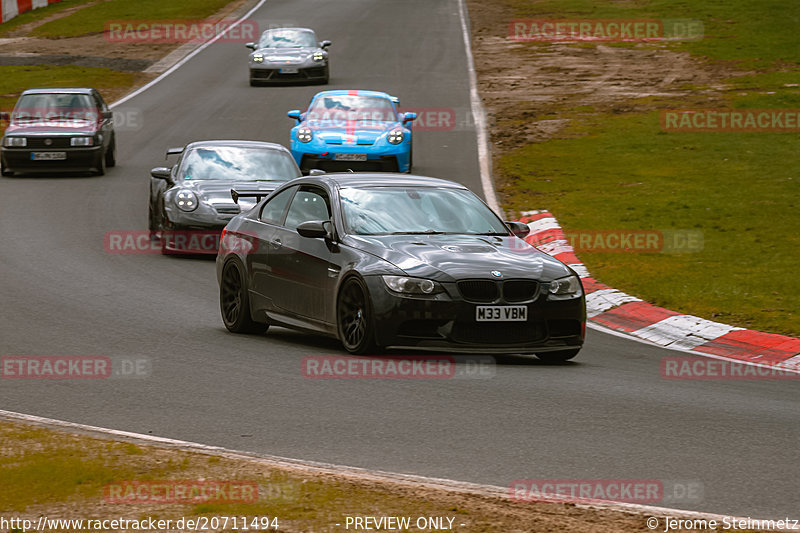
(479, 116)
(189, 56)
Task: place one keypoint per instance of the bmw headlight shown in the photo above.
(186, 200)
(81, 141)
(318, 56)
(406, 285)
(258, 58)
(17, 142)
(304, 135)
(564, 288)
(396, 136)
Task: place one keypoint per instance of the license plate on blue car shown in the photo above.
(351, 157)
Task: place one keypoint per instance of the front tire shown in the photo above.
(111, 153)
(354, 318)
(234, 301)
(558, 357)
(100, 164)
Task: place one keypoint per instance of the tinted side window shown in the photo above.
(308, 204)
(272, 212)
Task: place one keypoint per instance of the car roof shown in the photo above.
(352, 92)
(50, 90)
(386, 179)
(293, 28)
(239, 143)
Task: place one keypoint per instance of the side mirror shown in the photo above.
(294, 113)
(518, 228)
(324, 44)
(313, 229)
(251, 46)
(408, 117)
(5, 116)
(108, 115)
(162, 173)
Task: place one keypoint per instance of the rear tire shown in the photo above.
(558, 357)
(234, 301)
(354, 318)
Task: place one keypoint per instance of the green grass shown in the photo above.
(619, 171)
(38, 14)
(93, 19)
(622, 172)
(756, 33)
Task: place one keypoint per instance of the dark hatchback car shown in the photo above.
(398, 261)
(58, 129)
(193, 197)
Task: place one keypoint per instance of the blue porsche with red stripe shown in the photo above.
(352, 130)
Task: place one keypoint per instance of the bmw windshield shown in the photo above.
(238, 164)
(417, 211)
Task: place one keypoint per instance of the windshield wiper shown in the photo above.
(426, 232)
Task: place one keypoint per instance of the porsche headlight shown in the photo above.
(258, 58)
(568, 287)
(406, 285)
(186, 200)
(396, 136)
(17, 142)
(81, 141)
(318, 56)
(304, 135)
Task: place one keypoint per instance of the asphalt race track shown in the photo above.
(608, 415)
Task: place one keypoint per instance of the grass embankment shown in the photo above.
(616, 169)
(45, 472)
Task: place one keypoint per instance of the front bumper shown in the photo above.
(272, 74)
(383, 159)
(78, 159)
(446, 322)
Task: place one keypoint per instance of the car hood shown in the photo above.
(218, 192)
(52, 127)
(285, 54)
(453, 257)
(342, 131)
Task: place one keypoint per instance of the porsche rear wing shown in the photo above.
(244, 193)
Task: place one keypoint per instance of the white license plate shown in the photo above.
(289, 70)
(351, 157)
(501, 313)
(48, 156)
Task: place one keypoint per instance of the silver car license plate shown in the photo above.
(351, 157)
(501, 313)
(48, 156)
(289, 70)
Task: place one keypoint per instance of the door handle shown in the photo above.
(276, 243)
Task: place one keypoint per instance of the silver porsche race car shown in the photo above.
(288, 55)
(191, 200)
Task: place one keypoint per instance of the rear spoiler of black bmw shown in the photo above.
(258, 195)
